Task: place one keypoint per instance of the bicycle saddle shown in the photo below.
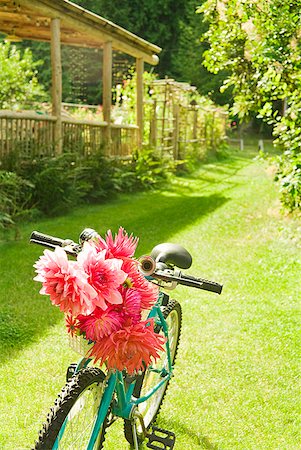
(173, 254)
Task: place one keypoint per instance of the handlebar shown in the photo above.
(187, 280)
(51, 242)
(161, 271)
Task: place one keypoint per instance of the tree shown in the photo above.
(154, 20)
(186, 59)
(18, 81)
(259, 44)
(175, 27)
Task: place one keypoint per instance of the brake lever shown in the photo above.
(171, 276)
(73, 249)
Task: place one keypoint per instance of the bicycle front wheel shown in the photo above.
(151, 407)
(70, 422)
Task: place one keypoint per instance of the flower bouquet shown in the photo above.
(103, 296)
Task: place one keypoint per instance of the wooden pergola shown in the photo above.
(63, 22)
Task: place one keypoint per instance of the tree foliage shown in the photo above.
(18, 80)
(175, 27)
(258, 42)
(154, 20)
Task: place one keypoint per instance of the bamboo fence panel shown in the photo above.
(25, 135)
(29, 135)
(124, 140)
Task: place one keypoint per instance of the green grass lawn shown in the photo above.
(236, 381)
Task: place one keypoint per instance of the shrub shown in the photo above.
(54, 180)
(149, 169)
(289, 178)
(15, 198)
(96, 178)
(18, 80)
(54, 185)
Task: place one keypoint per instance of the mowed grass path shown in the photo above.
(236, 380)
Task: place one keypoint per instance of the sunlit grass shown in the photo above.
(236, 380)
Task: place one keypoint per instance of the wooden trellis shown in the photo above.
(179, 120)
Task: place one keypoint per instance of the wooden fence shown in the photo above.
(30, 135)
(179, 123)
(183, 127)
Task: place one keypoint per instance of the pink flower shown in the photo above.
(104, 275)
(148, 291)
(130, 348)
(122, 246)
(100, 323)
(131, 308)
(65, 282)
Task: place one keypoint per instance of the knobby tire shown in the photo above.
(85, 387)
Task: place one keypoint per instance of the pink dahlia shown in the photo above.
(130, 348)
(100, 323)
(121, 246)
(131, 308)
(135, 280)
(65, 282)
(104, 275)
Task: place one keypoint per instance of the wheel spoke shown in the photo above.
(80, 420)
(74, 414)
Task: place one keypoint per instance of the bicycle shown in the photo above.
(93, 398)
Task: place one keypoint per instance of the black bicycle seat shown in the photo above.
(173, 254)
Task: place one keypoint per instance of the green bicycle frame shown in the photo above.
(124, 403)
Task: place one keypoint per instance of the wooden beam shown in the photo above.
(93, 27)
(107, 90)
(139, 99)
(56, 66)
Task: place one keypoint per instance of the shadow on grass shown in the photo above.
(224, 167)
(25, 315)
(200, 441)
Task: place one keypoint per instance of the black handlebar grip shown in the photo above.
(212, 286)
(207, 285)
(187, 280)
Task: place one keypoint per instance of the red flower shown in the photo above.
(100, 323)
(103, 295)
(130, 348)
(72, 324)
(148, 291)
(131, 307)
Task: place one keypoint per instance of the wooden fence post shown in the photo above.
(195, 123)
(176, 113)
(153, 126)
(107, 92)
(56, 66)
(139, 99)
